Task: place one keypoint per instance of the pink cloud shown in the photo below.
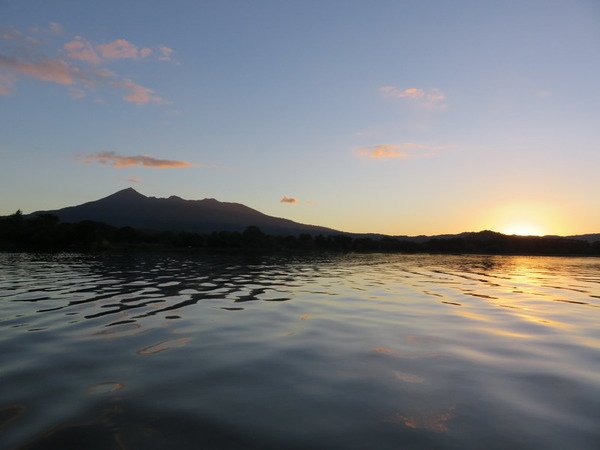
(6, 83)
(56, 28)
(10, 34)
(77, 93)
(134, 179)
(122, 49)
(288, 200)
(52, 70)
(393, 91)
(427, 98)
(82, 66)
(81, 49)
(138, 94)
(118, 161)
(400, 151)
(165, 52)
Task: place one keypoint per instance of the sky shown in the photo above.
(396, 117)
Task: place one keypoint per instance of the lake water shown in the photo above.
(327, 352)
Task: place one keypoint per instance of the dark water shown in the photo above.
(349, 352)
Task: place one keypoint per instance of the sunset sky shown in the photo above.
(397, 117)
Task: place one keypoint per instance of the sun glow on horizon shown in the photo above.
(527, 218)
(523, 229)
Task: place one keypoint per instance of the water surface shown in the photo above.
(353, 352)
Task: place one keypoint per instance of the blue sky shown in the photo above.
(400, 117)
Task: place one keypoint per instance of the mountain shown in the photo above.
(594, 237)
(130, 208)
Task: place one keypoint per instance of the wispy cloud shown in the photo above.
(77, 93)
(78, 63)
(139, 94)
(134, 179)
(56, 28)
(122, 49)
(6, 83)
(427, 98)
(165, 53)
(81, 49)
(52, 70)
(120, 161)
(400, 151)
(9, 34)
(289, 200)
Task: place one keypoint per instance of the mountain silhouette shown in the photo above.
(130, 208)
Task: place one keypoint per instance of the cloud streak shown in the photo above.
(120, 161)
(165, 53)
(122, 49)
(136, 93)
(134, 179)
(407, 150)
(6, 83)
(56, 28)
(51, 70)
(288, 200)
(426, 98)
(82, 50)
(78, 64)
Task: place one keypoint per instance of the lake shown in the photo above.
(353, 351)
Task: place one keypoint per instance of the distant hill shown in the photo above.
(594, 237)
(130, 208)
(470, 235)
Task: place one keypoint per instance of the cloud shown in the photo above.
(288, 200)
(134, 179)
(78, 63)
(79, 48)
(427, 98)
(165, 53)
(6, 83)
(52, 70)
(393, 91)
(138, 93)
(10, 34)
(77, 93)
(119, 161)
(56, 28)
(122, 49)
(401, 151)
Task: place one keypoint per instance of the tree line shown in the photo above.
(46, 233)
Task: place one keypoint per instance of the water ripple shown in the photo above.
(406, 351)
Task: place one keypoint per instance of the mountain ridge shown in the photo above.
(128, 207)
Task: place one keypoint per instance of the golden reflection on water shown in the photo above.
(502, 332)
(473, 316)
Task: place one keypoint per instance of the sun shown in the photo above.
(523, 229)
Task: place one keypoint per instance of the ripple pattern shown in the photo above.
(337, 351)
